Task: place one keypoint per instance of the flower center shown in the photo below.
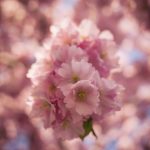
(67, 41)
(103, 55)
(52, 88)
(45, 105)
(81, 95)
(65, 124)
(75, 78)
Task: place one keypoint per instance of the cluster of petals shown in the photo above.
(71, 79)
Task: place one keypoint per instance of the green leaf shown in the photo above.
(88, 127)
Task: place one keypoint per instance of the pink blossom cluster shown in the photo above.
(72, 87)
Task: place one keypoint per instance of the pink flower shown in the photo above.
(109, 96)
(48, 87)
(48, 94)
(66, 54)
(41, 68)
(51, 111)
(69, 127)
(87, 29)
(73, 72)
(64, 34)
(83, 97)
(100, 55)
(43, 109)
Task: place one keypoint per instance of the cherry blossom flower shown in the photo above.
(71, 85)
(66, 54)
(83, 97)
(70, 127)
(87, 29)
(74, 72)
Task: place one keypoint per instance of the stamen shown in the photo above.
(103, 55)
(81, 95)
(75, 79)
(45, 105)
(52, 88)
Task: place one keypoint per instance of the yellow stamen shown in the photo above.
(52, 88)
(45, 105)
(81, 95)
(103, 55)
(75, 79)
(65, 124)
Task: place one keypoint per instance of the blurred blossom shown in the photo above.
(25, 28)
(12, 73)
(17, 131)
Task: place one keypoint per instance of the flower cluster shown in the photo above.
(71, 80)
